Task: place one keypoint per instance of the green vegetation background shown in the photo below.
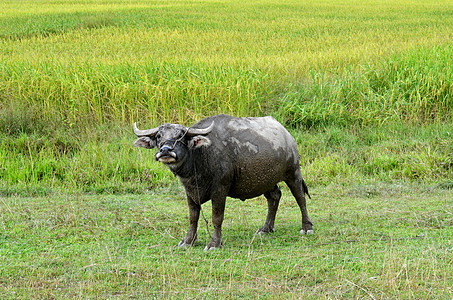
(366, 88)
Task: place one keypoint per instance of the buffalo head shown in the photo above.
(172, 140)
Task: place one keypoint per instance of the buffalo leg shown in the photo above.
(295, 184)
(273, 199)
(194, 215)
(218, 209)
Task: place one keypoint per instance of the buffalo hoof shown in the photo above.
(264, 230)
(309, 231)
(211, 248)
(183, 244)
(213, 245)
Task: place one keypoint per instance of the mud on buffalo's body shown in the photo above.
(224, 156)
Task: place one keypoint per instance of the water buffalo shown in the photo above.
(224, 156)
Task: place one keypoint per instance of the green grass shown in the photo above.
(33, 164)
(395, 243)
(386, 154)
(365, 88)
(411, 87)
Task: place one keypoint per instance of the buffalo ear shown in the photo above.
(145, 142)
(199, 141)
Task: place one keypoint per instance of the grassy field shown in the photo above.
(370, 242)
(365, 87)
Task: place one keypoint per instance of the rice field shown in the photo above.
(110, 61)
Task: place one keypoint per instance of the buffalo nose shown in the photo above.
(165, 149)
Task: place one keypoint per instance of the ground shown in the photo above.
(373, 241)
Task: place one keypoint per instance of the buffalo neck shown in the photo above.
(186, 168)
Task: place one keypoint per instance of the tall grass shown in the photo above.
(104, 94)
(75, 75)
(413, 87)
(203, 57)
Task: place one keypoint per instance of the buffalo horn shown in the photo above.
(149, 132)
(200, 131)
